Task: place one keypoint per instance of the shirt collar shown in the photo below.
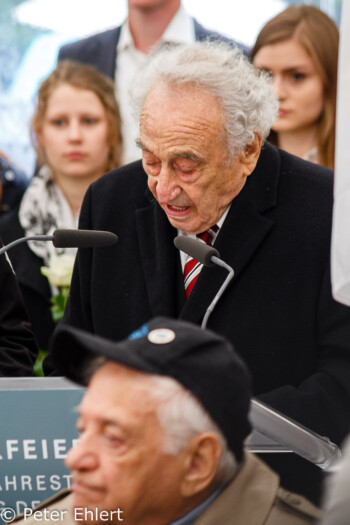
(192, 516)
(219, 223)
(223, 217)
(125, 37)
(179, 31)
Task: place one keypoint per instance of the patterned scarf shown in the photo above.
(43, 209)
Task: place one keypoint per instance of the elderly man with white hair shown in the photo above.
(204, 112)
(162, 426)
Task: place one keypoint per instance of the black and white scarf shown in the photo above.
(43, 209)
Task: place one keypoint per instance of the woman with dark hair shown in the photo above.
(76, 133)
(299, 47)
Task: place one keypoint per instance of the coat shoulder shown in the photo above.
(81, 48)
(308, 172)
(299, 509)
(58, 505)
(125, 183)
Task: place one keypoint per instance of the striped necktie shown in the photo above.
(192, 267)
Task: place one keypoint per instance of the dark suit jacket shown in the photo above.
(100, 50)
(18, 348)
(278, 310)
(33, 285)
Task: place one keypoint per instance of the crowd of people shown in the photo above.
(204, 138)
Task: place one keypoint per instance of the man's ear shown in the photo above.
(200, 464)
(249, 156)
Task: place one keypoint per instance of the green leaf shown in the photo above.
(58, 303)
(38, 365)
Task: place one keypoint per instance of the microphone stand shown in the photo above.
(66, 238)
(25, 239)
(221, 290)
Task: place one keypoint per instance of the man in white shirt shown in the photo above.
(122, 51)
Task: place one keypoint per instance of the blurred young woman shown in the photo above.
(76, 133)
(299, 47)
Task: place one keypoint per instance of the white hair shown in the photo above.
(182, 417)
(246, 96)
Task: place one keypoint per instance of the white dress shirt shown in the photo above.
(130, 60)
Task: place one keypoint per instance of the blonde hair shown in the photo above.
(82, 77)
(320, 37)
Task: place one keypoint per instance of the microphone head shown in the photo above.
(199, 250)
(83, 238)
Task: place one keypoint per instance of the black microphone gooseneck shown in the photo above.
(208, 256)
(70, 239)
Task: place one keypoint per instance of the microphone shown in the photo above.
(208, 256)
(70, 239)
(83, 238)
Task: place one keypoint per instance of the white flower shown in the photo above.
(59, 272)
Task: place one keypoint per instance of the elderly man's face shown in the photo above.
(119, 461)
(184, 154)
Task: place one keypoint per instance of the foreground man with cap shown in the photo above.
(162, 427)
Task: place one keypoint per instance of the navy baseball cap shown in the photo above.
(203, 362)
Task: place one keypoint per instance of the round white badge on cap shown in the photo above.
(161, 336)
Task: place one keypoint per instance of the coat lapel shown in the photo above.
(160, 260)
(243, 231)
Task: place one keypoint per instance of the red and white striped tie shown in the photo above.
(192, 267)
